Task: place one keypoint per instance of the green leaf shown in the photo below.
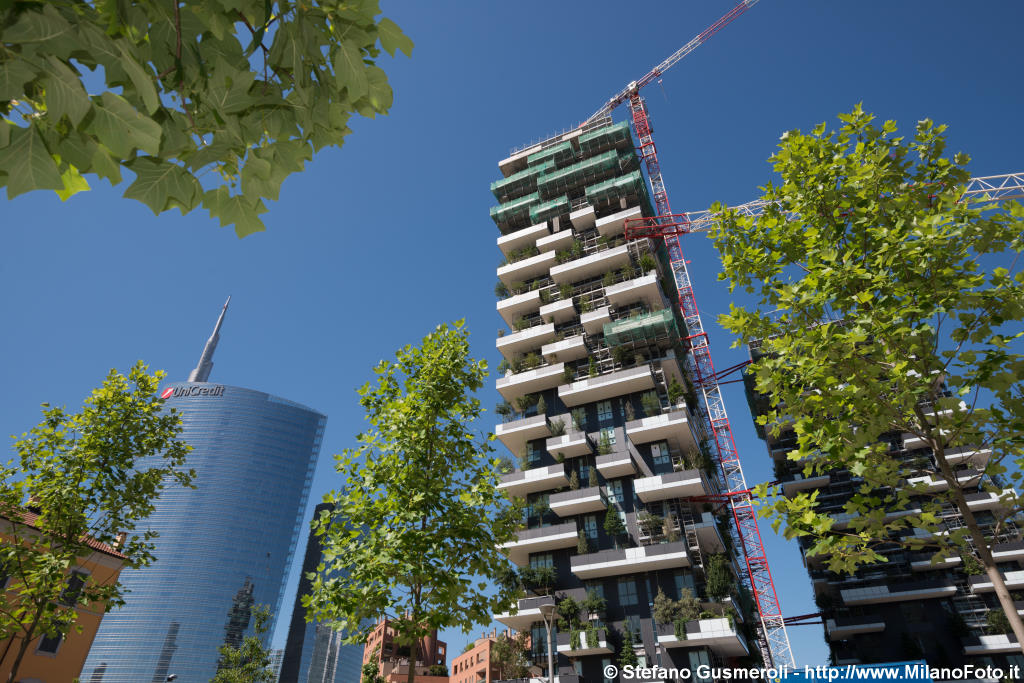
(122, 129)
(28, 164)
(349, 70)
(65, 95)
(14, 74)
(142, 81)
(33, 26)
(392, 38)
(73, 183)
(380, 93)
(237, 210)
(161, 185)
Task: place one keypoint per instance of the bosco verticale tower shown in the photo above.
(608, 455)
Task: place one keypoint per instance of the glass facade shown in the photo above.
(224, 546)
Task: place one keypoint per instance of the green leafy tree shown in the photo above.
(613, 525)
(884, 318)
(371, 673)
(418, 531)
(239, 94)
(719, 579)
(81, 478)
(248, 662)
(627, 655)
(509, 655)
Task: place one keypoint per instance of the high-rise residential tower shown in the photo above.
(601, 418)
(908, 607)
(224, 546)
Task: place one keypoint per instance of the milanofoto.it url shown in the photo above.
(914, 671)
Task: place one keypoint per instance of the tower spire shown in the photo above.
(202, 371)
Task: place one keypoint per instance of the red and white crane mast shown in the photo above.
(774, 641)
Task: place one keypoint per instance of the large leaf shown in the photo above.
(122, 129)
(238, 210)
(65, 95)
(14, 74)
(392, 38)
(28, 164)
(161, 185)
(349, 70)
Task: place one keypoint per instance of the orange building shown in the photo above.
(393, 660)
(59, 659)
(474, 665)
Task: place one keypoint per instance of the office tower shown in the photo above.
(601, 418)
(313, 652)
(907, 607)
(225, 546)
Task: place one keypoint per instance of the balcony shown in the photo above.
(616, 464)
(933, 483)
(615, 224)
(842, 628)
(529, 339)
(673, 427)
(519, 484)
(583, 219)
(684, 484)
(526, 237)
(630, 560)
(528, 268)
(981, 584)
(558, 311)
(516, 433)
(658, 325)
(594, 321)
(540, 540)
(584, 647)
(977, 457)
(515, 307)
(570, 444)
(644, 288)
(590, 266)
(603, 387)
(716, 634)
(556, 241)
(922, 562)
(841, 520)
(798, 482)
(569, 503)
(1008, 552)
(527, 612)
(529, 382)
(986, 500)
(898, 592)
(565, 350)
(708, 537)
(987, 645)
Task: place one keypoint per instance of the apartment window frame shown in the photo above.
(628, 593)
(45, 639)
(605, 412)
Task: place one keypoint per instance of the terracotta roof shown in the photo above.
(28, 518)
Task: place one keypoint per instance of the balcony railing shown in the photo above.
(630, 560)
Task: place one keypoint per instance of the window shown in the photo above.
(615, 491)
(590, 526)
(76, 581)
(660, 453)
(604, 412)
(584, 475)
(533, 453)
(627, 592)
(683, 580)
(609, 434)
(597, 587)
(48, 645)
(606, 665)
(538, 560)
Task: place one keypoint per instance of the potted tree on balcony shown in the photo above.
(613, 525)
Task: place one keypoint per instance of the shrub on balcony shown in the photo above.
(649, 523)
(592, 368)
(675, 391)
(996, 622)
(542, 406)
(504, 409)
(501, 290)
(592, 477)
(609, 279)
(650, 403)
(574, 481)
(568, 374)
(604, 445)
(647, 262)
(565, 290)
(557, 427)
(613, 525)
(594, 603)
(718, 577)
(520, 323)
(627, 655)
(579, 418)
(582, 547)
(620, 354)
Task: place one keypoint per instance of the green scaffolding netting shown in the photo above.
(520, 183)
(609, 191)
(589, 170)
(549, 209)
(646, 327)
(515, 211)
(602, 139)
(559, 154)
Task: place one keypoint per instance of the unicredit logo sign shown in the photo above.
(186, 391)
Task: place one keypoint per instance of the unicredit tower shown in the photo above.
(225, 546)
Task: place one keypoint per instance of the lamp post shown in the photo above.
(548, 612)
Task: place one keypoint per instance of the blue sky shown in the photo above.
(376, 243)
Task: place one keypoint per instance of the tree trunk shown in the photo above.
(981, 544)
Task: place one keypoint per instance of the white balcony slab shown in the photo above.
(987, 500)
(594, 321)
(556, 241)
(526, 237)
(708, 537)
(515, 307)
(716, 634)
(977, 457)
(873, 595)
(851, 628)
(569, 349)
(515, 433)
(571, 444)
(981, 584)
(615, 224)
(673, 427)
(602, 387)
(554, 537)
(524, 482)
(801, 483)
(584, 647)
(630, 560)
(616, 464)
(531, 381)
(671, 485)
(524, 341)
(528, 268)
(578, 502)
(527, 612)
(583, 219)
(590, 266)
(558, 311)
(992, 645)
(645, 289)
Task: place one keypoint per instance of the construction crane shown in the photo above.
(773, 639)
(995, 187)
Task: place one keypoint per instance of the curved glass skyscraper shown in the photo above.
(224, 546)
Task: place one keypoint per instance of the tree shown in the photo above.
(613, 525)
(418, 531)
(508, 653)
(371, 673)
(885, 319)
(249, 662)
(237, 93)
(719, 581)
(80, 479)
(627, 655)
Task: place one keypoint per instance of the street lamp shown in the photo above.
(549, 613)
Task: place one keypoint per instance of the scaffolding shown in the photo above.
(514, 214)
(612, 190)
(604, 139)
(590, 170)
(520, 183)
(559, 154)
(558, 206)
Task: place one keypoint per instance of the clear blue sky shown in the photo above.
(376, 243)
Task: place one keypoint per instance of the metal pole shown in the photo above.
(551, 653)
